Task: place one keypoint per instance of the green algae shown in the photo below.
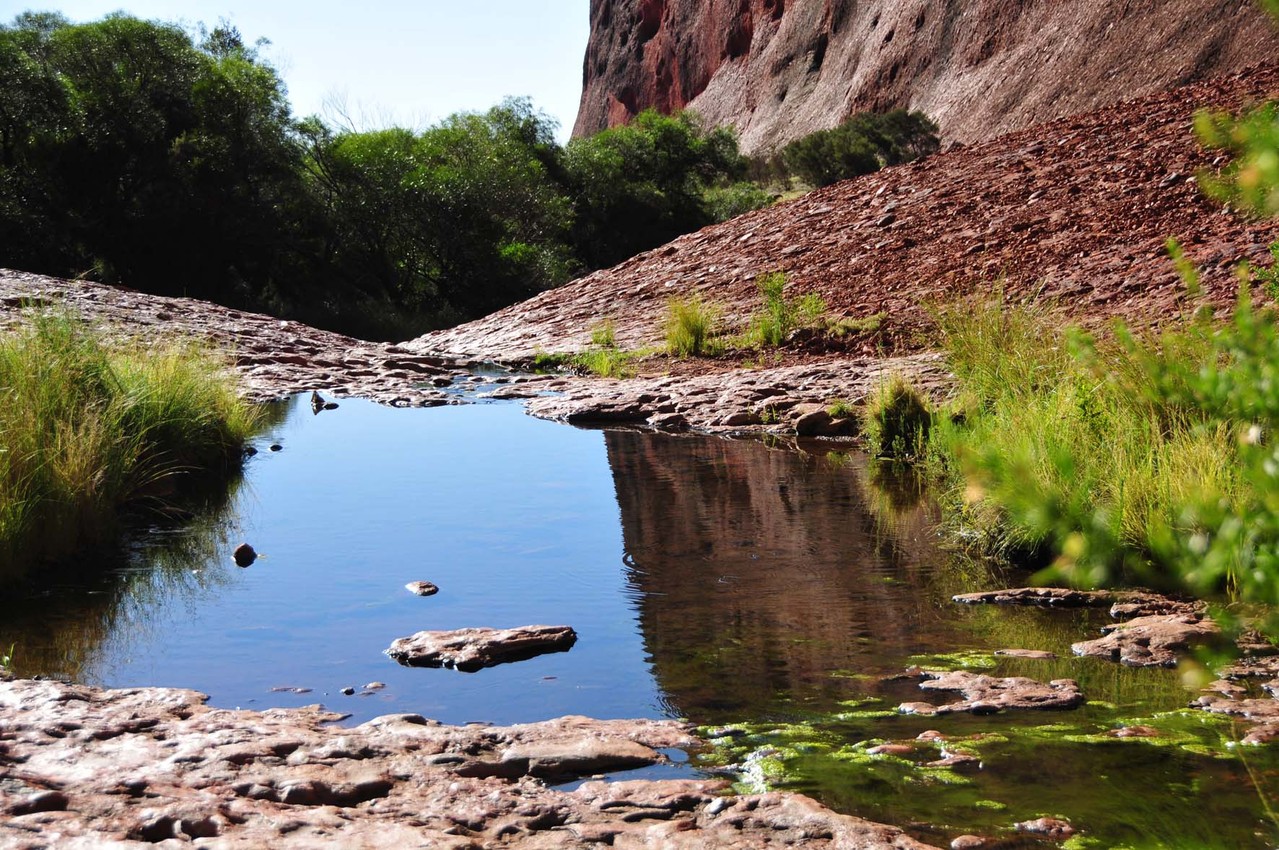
(968, 659)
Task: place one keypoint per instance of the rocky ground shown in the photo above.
(87, 768)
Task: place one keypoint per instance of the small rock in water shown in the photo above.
(348, 691)
(421, 588)
(1051, 827)
(375, 686)
(244, 555)
(330, 405)
(275, 447)
(968, 842)
(249, 451)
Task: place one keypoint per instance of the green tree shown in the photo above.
(642, 184)
(863, 144)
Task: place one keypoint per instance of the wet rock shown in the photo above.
(1141, 604)
(347, 691)
(472, 649)
(244, 555)
(1026, 653)
(986, 694)
(1047, 827)
(1051, 597)
(968, 842)
(1136, 731)
(1154, 641)
(276, 447)
(421, 588)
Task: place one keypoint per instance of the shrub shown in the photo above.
(861, 145)
(897, 420)
(690, 325)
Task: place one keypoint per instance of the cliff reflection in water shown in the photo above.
(760, 572)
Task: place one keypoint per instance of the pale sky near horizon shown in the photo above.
(396, 61)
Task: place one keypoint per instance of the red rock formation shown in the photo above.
(777, 69)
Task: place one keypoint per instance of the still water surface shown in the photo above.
(772, 587)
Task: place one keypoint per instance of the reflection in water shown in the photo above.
(746, 582)
(760, 571)
(58, 616)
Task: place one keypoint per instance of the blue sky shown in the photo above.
(410, 63)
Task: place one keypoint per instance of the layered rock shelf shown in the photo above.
(82, 767)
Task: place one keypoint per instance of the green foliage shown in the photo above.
(642, 184)
(1251, 180)
(897, 420)
(604, 335)
(690, 326)
(734, 199)
(1093, 450)
(89, 427)
(127, 150)
(607, 362)
(451, 223)
(841, 408)
(1268, 276)
(863, 144)
(781, 314)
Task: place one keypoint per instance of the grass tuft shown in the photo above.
(897, 420)
(89, 428)
(691, 325)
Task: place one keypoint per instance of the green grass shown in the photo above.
(896, 420)
(780, 314)
(89, 428)
(1092, 450)
(691, 325)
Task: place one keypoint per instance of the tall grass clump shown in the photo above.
(1103, 452)
(897, 420)
(690, 326)
(87, 428)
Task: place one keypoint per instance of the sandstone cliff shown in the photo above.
(778, 69)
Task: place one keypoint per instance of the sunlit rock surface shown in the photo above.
(82, 767)
(779, 69)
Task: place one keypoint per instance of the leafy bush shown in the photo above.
(642, 184)
(863, 144)
(690, 325)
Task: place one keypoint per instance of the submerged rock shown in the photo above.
(1154, 641)
(987, 694)
(1048, 827)
(472, 649)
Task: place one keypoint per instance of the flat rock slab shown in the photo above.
(473, 649)
(1124, 604)
(86, 768)
(987, 694)
(1154, 641)
(1048, 597)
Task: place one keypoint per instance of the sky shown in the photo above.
(393, 61)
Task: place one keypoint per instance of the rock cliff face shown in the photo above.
(778, 69)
